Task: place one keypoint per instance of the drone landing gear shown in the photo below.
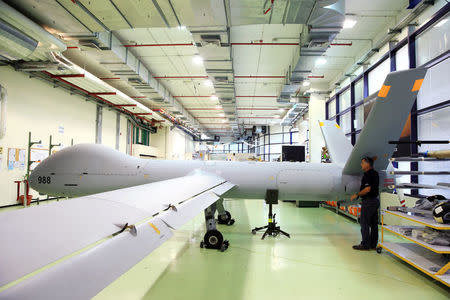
(271, 228)
(224, 217)
(213, 239)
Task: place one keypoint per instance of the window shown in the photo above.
(359, 117)
(402, 59)
(346, 122)
(378, 75)
(434, 126)
(332, 108)
(359, 90)
(435, 87)
(141, 136)
(344, 100)
(434, 41)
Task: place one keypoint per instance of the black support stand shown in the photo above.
(271, 228)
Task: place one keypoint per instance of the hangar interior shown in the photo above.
(225, 82)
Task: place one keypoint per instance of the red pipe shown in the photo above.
(210, 117)
(251, 108)
(73, 47)
(203, 109)
(224, 124)
(258, 118)
(271, 1)
(250, 76)
(317, 76)
(102, 93)
(120, 105)
(192, 96)
(87, 92)
(66, 75)
(265, 44)
(181, 77)
(138, 97)
(256, 96)
(235, 96)
(142, 114)
(158, 45)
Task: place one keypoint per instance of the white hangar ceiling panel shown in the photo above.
(194, 13)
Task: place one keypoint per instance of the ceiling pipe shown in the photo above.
(193, 96)
(256, 108)
(256, 96)
(341, 44)
(164, 97)
(67, 76)
(181, 77)
(189, 109)
(95, 96)
(265, 44)
(256, 77)
(102, 93)
(157, 45)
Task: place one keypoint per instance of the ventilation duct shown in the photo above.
(294, 114)
(22, 39)
(324, 23)
(109, 42)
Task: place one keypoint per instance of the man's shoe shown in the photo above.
(360, 247)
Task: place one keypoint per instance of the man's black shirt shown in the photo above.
(370, 178)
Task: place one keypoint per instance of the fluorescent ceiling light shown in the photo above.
(306, 83)
(442, 22)
(181, 27)
(349, 23)
(197, 59)
(321, 61)
(277, 116)
(208, 82)
(281, 110)
(221, 115)
(214, 97)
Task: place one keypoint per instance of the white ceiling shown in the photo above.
(247, 24)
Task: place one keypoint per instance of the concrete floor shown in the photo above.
(316, 263)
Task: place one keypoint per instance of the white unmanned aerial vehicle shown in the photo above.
(127, 207)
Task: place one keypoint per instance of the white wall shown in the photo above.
(316, 113)
(36, 106)
(158, 140)
(178, 144)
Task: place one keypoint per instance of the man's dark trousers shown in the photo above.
(369, 222)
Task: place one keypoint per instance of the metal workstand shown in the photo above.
(432, 260)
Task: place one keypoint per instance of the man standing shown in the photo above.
(369, 205)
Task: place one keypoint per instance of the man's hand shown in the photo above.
(353, 197)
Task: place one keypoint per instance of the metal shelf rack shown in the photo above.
(342, 212)
(432, 260)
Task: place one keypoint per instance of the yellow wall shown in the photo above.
(36, 106)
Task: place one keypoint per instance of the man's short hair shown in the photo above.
(368, 160)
